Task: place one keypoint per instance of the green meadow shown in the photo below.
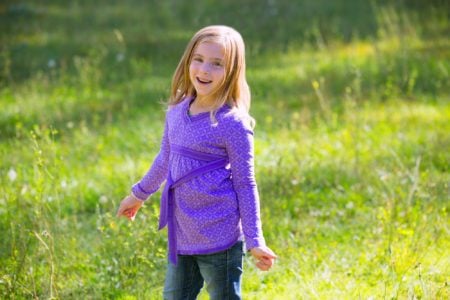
(352, 104)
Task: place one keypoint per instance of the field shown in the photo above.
(352, 104)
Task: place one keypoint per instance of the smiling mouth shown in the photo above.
(203, 81)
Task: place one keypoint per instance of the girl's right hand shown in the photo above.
(129, 207)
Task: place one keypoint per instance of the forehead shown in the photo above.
(210, 49)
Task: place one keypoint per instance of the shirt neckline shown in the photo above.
(199, 116)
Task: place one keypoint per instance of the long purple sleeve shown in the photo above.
(240, 148)
(157, 173)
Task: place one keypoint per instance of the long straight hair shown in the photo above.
(234, 90)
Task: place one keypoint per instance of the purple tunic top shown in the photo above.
(217, 208)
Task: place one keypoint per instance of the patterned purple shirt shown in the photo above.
(215, 209)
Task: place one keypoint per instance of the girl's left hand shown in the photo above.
(265, 257)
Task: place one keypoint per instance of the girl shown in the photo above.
(210, 202)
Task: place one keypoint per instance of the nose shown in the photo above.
(205, 68)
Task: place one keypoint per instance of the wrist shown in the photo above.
(136, 198)
(254, 249)
(252, 243)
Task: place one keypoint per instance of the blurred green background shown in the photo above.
(351, 100)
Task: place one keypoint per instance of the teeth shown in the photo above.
(204, 81)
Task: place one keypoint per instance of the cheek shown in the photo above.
(221, 76)
(192, 71)
(191, 68)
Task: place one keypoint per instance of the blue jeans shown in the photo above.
(220, 271)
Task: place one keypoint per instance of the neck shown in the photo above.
(201, 105)
(203, 102)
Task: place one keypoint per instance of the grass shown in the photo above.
(352, 111)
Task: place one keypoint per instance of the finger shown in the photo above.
(123, 211)
(119, 211)
(269, 253)
(128, 215)
(269, 257)
(132, 214)
(262, 266)
(129, 211)
(123, 215)
(267, 260)
(122, 208)
(264, 263)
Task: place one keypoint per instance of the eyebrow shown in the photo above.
(213, 58)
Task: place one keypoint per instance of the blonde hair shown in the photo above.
(234, 91)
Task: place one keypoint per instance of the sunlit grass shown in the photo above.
(351, 146)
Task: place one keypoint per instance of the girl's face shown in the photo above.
(207, 68)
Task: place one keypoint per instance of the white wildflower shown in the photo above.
(12, 174)
(350, 205)
(103, 199)
(120, 57)
(51, 63)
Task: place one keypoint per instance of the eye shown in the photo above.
(217, 64)
(198, 59)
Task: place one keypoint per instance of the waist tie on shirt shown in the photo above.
(166, 215)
